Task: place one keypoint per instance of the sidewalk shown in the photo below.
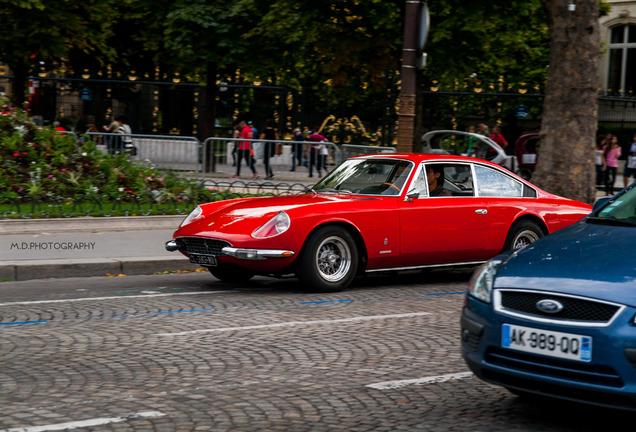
(85, 247)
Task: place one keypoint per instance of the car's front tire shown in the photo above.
(329, 261)
(523, 233)
(231, 273)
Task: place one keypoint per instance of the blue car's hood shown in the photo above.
(588, 259)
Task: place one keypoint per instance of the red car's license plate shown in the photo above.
(207, 260)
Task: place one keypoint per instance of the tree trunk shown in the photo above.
(565, 163)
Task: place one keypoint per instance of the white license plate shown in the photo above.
(208, 260)
(549, 343)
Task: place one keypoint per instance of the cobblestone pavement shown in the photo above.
(184, 352)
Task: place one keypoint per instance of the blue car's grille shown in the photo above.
(574, 309)
(202, 246)
(554, 368)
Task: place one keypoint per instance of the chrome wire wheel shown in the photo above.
(523, 233)
(524, 238)
(333, 259)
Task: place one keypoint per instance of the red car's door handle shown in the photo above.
(481, 211)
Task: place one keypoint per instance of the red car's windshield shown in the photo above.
(367, 177)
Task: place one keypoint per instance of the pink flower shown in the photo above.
(63, 169)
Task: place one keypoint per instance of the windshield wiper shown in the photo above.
(611, 220)
(333, 191)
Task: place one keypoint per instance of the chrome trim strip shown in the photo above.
(260, 254)
(499, 308)
(461, 264)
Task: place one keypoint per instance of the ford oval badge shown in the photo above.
(549, 306)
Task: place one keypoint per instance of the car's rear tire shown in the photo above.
(329, 261)
(523, 233)
(231, 273)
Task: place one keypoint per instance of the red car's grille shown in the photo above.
(202, 246)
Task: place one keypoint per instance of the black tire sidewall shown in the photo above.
(518, 227)
(307, 270)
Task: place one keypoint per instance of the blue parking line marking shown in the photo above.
(24, 322)
(448, 293)
(181, 311)
(326, 301)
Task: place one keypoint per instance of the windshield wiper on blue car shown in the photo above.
(611, 221)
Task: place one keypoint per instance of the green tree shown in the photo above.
(37, 33)
(205, 38)
(477, 42)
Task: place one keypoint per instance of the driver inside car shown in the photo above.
(435, 178)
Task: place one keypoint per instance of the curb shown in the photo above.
(89, 224)
(88, 267)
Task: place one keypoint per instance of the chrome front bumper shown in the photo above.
(256, 254)
(241, 253)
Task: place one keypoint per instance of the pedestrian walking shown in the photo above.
(269, 135)
(297, 155)
(113, 142)
(315, 157)
(600, 173)
(483, 148)
(497, 137)
(630, 165)
(126, 138)
(611, 153)
(236, 133)
(254, 135)
(471, 149)
(245, 149)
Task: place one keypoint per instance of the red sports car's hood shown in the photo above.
(243, 216)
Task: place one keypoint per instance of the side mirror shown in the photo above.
(412, 196)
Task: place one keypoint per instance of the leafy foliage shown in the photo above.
(39, 161)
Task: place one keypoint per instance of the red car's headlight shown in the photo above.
(275, 226)
(194, 214)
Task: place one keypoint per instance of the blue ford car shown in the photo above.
(558, 317)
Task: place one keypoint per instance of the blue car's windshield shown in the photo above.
(621, 209)
(367, 177)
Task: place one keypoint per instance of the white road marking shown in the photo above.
(388, 385)
(34, 302)
(85, 423)
(295, 323)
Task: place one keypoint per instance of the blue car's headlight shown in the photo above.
(480, 285)
(273, 227)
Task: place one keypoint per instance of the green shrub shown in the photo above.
(38, 162)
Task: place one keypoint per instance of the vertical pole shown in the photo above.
(406, 116)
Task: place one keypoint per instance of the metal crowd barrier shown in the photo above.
(217, 155)
(174, 152)
(220, 154)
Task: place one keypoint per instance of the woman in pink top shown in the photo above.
(245, 149)
(611, 153)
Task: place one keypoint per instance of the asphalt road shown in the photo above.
(183, 352)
